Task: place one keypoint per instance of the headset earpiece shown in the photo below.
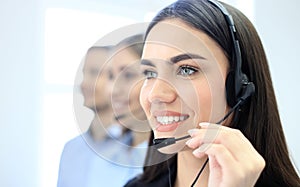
(230, 89)
(246, 88)
(237, 85)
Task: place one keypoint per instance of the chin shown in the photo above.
(174, 148)
(88, 105)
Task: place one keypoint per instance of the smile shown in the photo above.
(166, 120)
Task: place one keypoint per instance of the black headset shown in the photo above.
(238, 87)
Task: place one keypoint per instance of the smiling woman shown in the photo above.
(181, 74)
(199, 66)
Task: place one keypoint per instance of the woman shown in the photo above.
(78, 160)
(92, 158)
(195, 76)
(95, 97)
(124, 82)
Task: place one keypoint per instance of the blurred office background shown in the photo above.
(42, 43)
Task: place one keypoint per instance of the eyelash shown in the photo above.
(181, 70)
(148, 74)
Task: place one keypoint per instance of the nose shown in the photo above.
(115, 88)
(84, 84)
(162, 92)
(110, 86)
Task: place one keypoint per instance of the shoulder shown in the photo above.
(78, 143)
(135, 182)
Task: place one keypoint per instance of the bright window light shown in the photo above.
(245, 6)
(68, 35)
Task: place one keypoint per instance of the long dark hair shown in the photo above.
(259, 118)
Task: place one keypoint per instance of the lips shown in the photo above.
(168, 120)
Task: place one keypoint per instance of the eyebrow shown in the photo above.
(185, 56)
(147, 62)
(175, 59)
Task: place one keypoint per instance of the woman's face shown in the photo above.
(185, 73)
(94, 80)
(125, 84)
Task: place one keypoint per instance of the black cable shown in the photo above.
(162, 142)
(230, 111)
(199, 173)
(205, 163)
(169, 174)
(182, 138)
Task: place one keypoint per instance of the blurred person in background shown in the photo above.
(78, 156)
(111, 79)
(125, 81)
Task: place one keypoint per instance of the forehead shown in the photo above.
(175, 36)
(96, 57)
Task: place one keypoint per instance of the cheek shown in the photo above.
(145, 90)
(99, 86)
(212, 98)
(201, 103)
(100, 93)
(134, 94)
(205, 97)
(204, 102)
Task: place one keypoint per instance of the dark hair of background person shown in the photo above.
(135, 43)
(259, 118)
(95, 47)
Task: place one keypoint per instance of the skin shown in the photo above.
(125, 84)
(93, 80)
(194, 87)
(169, 86)
(95, 96)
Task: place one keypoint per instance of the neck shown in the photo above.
(99, 124)
(188, 168)
(137, 124)
(140, 137)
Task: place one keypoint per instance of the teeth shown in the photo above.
(165, 119)
(176, 118)
(170, 119)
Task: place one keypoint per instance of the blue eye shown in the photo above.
(150, 74)
(187, 70)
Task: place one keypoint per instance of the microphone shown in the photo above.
(163, 142)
